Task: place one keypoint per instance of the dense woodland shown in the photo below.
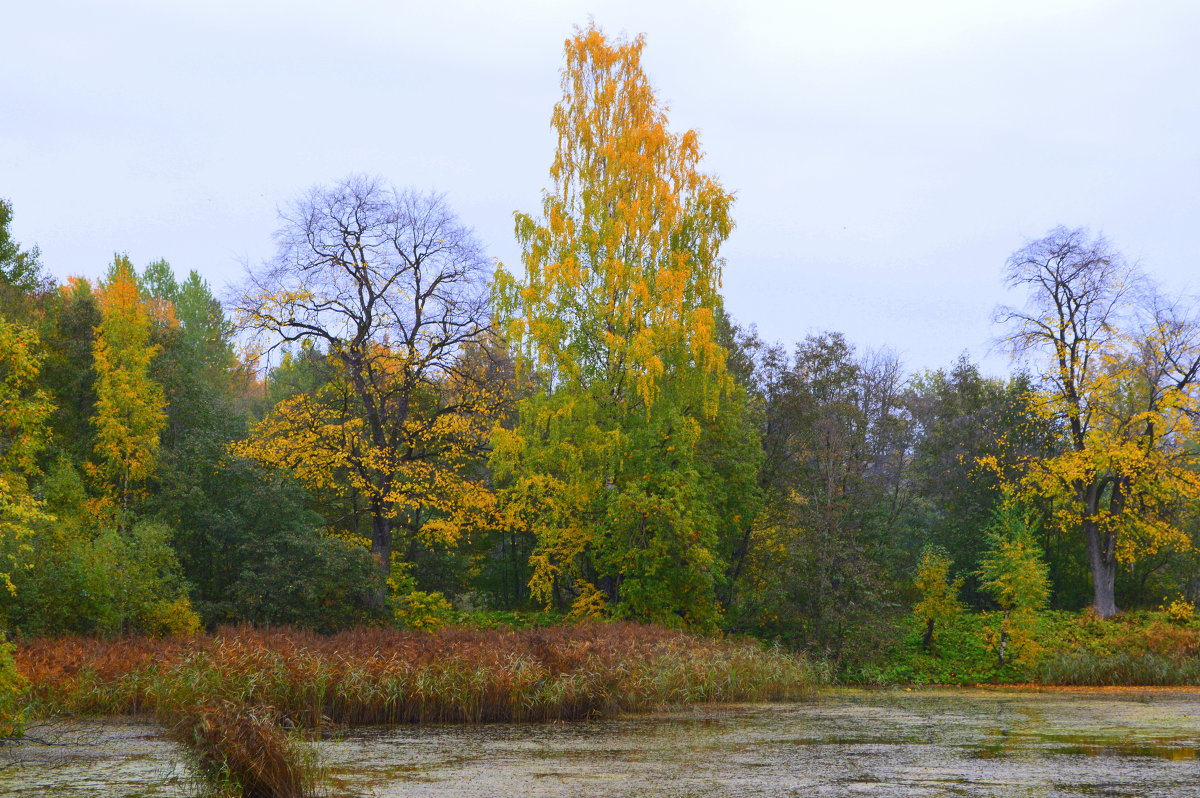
(380, 426)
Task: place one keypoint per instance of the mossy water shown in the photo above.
(848, 742)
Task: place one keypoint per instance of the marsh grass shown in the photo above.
(380, 676)
(242, 750)
(1123, 668)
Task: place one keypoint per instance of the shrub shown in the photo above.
(422, 611)
(12, 685)
(1180, 611)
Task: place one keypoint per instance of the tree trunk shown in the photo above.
(381, 550)
(1004, 635)
(927, 640)
(1104, 570)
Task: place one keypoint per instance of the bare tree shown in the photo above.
(1078, 290)
(392, 288)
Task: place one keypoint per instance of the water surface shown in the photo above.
(848, 743)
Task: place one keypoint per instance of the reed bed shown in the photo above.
(1124, 668)
(380, 676)
(242, 750)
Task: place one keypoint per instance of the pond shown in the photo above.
(848, 743)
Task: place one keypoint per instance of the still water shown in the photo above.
(847, 743)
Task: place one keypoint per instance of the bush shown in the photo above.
(1180, 611)
(12, 685)
(422, 611)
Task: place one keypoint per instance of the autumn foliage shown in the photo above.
(629, 464)
(130, 406)
(391, 429)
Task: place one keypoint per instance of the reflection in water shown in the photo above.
(895, 743)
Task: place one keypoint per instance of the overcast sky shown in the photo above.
(887, 155)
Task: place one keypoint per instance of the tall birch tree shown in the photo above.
(613, 464)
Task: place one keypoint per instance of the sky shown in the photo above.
(886, 156)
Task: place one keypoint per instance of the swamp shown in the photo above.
(920, 742)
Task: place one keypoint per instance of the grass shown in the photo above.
(379, 676)
(242, 750)
(1146, 669)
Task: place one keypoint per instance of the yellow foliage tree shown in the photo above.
(389, 292)
(613, 464)
(1119, 369)
(939, 603)
(25, 411)
(418, 475)
(130, 406)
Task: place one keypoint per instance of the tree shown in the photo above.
(130, 406)
(939, 603)
(1015, 575)
(1118, 369)
(25, 410)
(20, 269)
(611, 463)
(824, 557)
(972, 434)
(390, 289)
(68, 373)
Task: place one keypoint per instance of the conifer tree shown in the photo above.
(1015, 575)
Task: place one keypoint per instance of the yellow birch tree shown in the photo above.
(130, 406)
(611, 465)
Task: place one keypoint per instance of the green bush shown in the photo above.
(12, 688)
(1143, 648)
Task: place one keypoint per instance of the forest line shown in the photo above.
(590, 436)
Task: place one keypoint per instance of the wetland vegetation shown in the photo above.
(390, 482)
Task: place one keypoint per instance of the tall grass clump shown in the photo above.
(242, 751)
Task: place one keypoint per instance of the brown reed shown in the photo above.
(370, 676)
(243, 750)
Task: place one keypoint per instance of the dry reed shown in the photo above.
(242, 750)
(380, 676)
